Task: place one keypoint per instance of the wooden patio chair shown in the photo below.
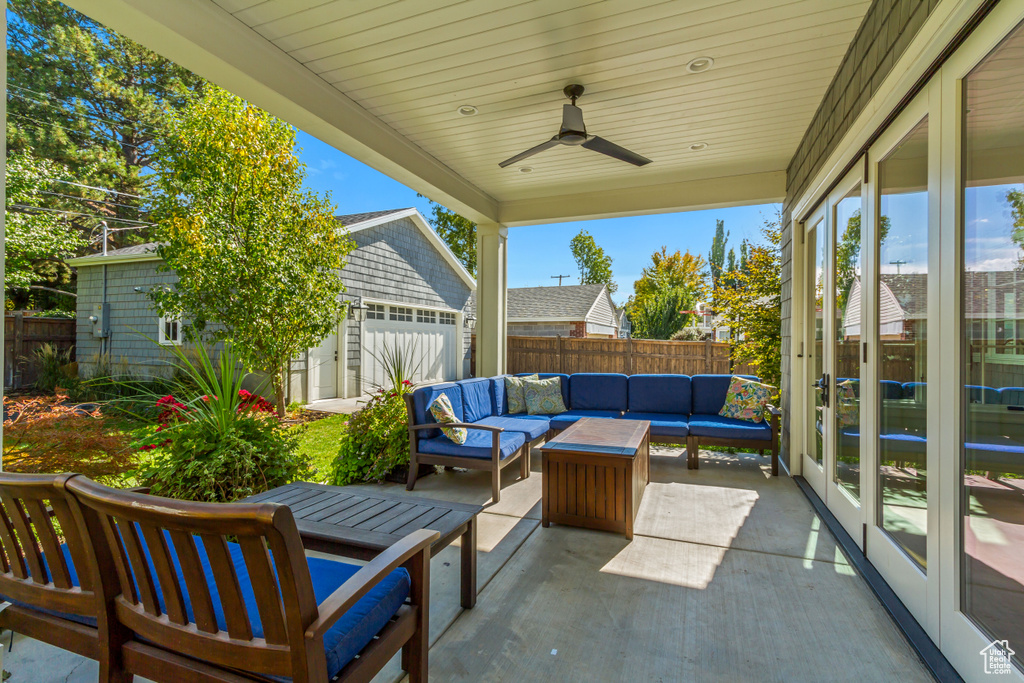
(53, 593)
(224, 592)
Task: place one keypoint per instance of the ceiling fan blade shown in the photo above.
(572, 118)
(611, 149)
(530, 152)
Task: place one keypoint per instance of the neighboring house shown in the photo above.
(902, 307)
(625, 326)
(415, 290)
(567, 311)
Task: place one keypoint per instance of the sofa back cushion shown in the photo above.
(548, 375)
(498, 395)
(660, 394)
(477, 398)
(708, 392)
(599, 391)
(424, 396)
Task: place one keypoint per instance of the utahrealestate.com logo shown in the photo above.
(997, 656)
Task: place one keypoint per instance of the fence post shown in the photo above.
(561, 363)
(708, 359)
(18, 350)
(629, 356)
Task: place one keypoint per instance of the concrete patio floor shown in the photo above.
(730, 577)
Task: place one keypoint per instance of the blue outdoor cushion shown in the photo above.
(719, 427)
(532, 428)
(73, 575)
(548, 375)
(891, 389)
(563, 420)
(498, 395)
(599, 391)
(478, 445)
(660, 394)
(904, 442)
(978, 394)
(709, 392)
(477, 400)
(663, 424)
(1011, 396)
(424, 396)
(349, 635)
(915, 390)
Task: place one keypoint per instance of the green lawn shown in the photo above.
(320, 440)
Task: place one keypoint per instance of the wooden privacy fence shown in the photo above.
(627, 356)
(24, 333)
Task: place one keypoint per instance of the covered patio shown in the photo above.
(730, 577)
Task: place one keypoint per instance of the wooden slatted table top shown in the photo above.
(373, 520)
(601, 435)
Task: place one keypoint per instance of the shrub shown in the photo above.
(52, 363)
(377, 439)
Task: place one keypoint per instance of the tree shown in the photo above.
(753, 307)
(258, 259)
(716, 257)
(95, 104)
(848, 255)
(458, 232)
(595, 266)
(37, 241)
(662, 315)
(1015, 198)
(669, 271)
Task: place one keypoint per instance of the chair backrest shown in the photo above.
(39, 570)
(599, 391)
(164, 552)
(660, 394)
(477, 398)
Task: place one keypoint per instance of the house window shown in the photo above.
(375, 311)
(170, 331)
(401, 314)
(423, 316)
(446, 318)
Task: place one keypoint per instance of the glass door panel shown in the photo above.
(816, 342)
(846, 343)
(992, 376)
(902, 338)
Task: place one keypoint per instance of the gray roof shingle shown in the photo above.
(537, 303)
(354, 218)
(147, 248)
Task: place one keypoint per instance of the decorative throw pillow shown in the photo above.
(442, 410)
(514, 392)
(746, 399)
(847, 403)
(544, 396)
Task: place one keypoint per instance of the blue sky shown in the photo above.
(537, 252)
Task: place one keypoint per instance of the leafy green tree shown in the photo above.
(257, 258)
(753, 307)
(595, 266)
(716, 257)
(94, 102)
(848, 255)
(1015, 198)
(662, 315)
(668, 271)
(458, 232)
(37, 241)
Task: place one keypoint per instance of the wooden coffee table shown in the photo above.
(595, 472)
(354, 522)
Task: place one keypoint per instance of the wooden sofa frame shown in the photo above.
(104, 528)
(494, 464)
(693, 444)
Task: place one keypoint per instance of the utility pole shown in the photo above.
(897, 263)
(559, 278)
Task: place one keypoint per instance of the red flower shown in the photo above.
(406, 382)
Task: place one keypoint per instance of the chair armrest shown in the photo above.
(467, 425)
(773, 410)
(363, 581)
(138, 489)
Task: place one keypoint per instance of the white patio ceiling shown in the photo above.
(382, 81)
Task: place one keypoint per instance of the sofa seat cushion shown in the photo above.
(478, 445)
(663, 424)
(563, 420)
(349, 635)
(718, 427)
(532, 428)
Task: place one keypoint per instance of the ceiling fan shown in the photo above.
(574, 132)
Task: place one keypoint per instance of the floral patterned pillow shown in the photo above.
(442, 410)
(516, 396)
(544, 396)
(746, 399)
(847, 403)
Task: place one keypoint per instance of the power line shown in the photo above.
(95, 138)
(106, 202)
(51, 102)
(101, 189)
(27, 208)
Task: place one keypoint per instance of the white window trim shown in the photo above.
(161, 326)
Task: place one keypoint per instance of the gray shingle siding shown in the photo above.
(885, 32)
(603, 312)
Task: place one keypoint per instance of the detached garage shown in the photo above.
(405, 286)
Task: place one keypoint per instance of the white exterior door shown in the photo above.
(428, 339)
(323, 369)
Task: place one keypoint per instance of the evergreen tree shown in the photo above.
(595, 265)
(716, 258)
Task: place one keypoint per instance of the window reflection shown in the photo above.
(847, 343)
(993, 372)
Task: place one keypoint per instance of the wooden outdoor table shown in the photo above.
(352, 522)
(594, 474)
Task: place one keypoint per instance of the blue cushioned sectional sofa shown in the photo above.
(680, 408)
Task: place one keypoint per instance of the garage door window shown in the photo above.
(401, 314)
(423, 316)
(375, 312)
(446, 318)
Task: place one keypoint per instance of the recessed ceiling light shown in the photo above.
(699, 64)
(698, 146)
(467, 110)
(526, 169)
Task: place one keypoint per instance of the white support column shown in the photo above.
(491, 286)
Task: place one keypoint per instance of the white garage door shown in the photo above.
(428, 338)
